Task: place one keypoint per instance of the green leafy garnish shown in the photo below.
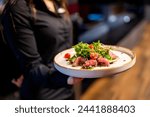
(82, 49)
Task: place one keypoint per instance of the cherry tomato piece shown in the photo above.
(94, 56)
(67, 56)
(91, 46)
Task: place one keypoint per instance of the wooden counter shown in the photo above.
(133, 84)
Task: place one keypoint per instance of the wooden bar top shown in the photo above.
(133, 84)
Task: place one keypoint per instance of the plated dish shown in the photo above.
(91, 55)
(119, 60)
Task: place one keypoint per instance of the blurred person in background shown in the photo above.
(42, 28)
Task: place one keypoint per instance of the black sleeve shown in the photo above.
(26, 44)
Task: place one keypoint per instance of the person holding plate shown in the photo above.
(41, 29)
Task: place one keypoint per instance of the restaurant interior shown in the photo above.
(122, 23)
(114, 22)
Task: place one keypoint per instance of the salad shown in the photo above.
(91, 55)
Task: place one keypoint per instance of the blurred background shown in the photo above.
(115, 22)
(102, 19)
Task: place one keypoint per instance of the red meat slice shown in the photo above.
(90, 63)
(113, 56)
(79, 61)
(103, 61)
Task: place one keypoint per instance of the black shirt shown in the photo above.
(39, 37)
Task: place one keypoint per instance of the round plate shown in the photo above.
(126, 59)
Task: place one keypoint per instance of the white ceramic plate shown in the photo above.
(126, 59)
